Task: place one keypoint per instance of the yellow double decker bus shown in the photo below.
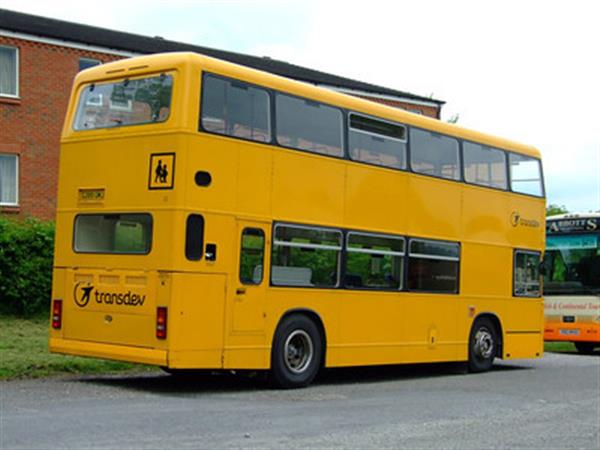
(211, 216)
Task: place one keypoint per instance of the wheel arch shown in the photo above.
(312, 315)
(493, 317)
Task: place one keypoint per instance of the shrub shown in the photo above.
(26, 252)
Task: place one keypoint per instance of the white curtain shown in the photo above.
(8, 71)
(8, 179)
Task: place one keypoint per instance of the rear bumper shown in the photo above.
(109, 351)
(572, 332)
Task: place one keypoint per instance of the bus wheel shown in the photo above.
(586, 348)
(483, 342)
(296, 353)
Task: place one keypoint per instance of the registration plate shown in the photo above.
(571, 332)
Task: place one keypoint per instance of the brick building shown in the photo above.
(39, 58)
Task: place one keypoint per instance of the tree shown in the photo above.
(553, 209)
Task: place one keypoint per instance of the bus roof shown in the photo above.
(165, 61)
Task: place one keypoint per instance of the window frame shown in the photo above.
(343, 128)
(264, 248)
(404, 141)
(459, 155)
(487, 186)
(137, 213)
(270, 108)
(402, 255)
(17, 164)
(17, 93)
(509, 175)
(436, 258)
(340, 261)
(516, 252)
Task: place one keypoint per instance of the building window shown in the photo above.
(9, 180)
(9, 71)
(86, 63)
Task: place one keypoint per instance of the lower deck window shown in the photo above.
(113, 233)
(374, 261)
(433, 266)
(305, 256)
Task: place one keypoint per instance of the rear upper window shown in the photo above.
(113, 233)
(127, 102)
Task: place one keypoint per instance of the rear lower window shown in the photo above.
(127, 102)
(113, 233)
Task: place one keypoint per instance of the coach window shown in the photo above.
(235, 109)
(9, 71)
(374, 261)
(305, 256)
(433, 266)
(525, 175)
(484, 165)
(308, 125)
(376, 141)
(434, 154)
(526, 274)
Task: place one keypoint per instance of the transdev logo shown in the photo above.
(84, 292)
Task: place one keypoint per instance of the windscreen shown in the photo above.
(126, 102)
(572, 264)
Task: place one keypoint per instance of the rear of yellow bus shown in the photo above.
(120, 206)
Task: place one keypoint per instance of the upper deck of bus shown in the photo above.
(186, 69)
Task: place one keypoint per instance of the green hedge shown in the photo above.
(26, 251)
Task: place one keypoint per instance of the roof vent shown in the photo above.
(159, 37)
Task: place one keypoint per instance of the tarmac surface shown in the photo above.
(552, 402)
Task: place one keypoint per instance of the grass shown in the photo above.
(559, 347)
(24, 353)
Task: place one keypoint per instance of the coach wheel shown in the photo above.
(586, 348)
(296, 353)
(483, 342)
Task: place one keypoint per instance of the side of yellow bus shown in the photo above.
(217, 321)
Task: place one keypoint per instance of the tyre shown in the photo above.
(483, 345)
(586, 348)
(297, 352)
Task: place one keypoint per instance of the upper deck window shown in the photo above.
(308, 125)
(376, 141)
(484, 165)
(434, 154)
(525, 175)
(235, 109)
(128, 102)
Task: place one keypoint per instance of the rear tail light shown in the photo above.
(57, 314)
(161, 322)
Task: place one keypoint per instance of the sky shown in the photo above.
(525, 70)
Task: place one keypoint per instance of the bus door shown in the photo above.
(248, 310)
